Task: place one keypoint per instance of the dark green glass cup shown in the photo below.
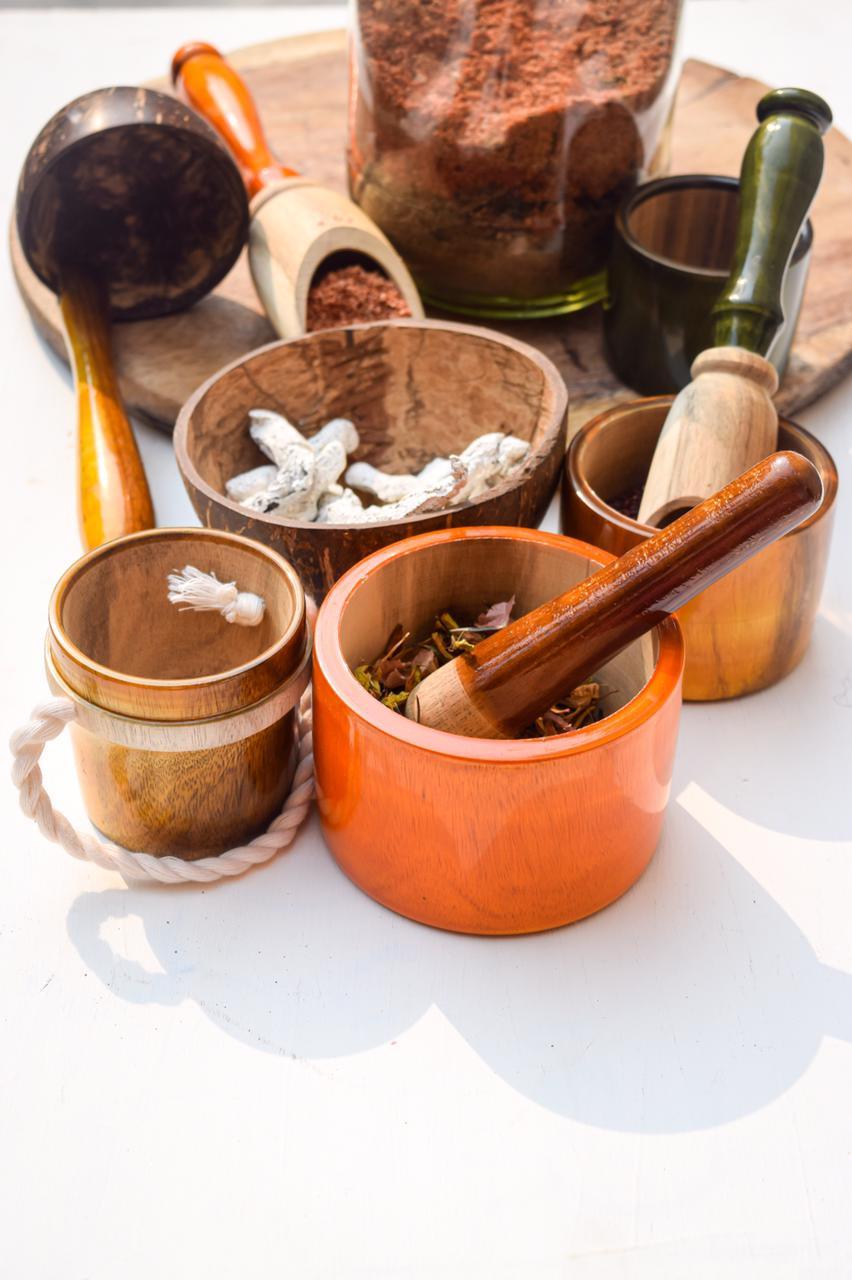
(672, 252)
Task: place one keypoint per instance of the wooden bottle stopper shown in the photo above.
(513, 676)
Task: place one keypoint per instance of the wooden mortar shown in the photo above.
(753, 627)
(185, 738)
(479, 835)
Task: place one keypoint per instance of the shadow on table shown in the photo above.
(791, 769)
(693, 1000)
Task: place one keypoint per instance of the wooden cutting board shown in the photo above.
(301, 87)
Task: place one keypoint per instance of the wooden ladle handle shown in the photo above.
(221, 96)
(113, 494)
(780, 175)
(513, 676)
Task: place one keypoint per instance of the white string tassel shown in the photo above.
(196, 590)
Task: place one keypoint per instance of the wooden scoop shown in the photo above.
(297, 225)
(516, 674)
(725, 421)
(128, 207)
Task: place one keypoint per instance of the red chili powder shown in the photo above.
(352, 294)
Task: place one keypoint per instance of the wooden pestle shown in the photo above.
(724, 420)
(296, 223)
(112, 490)
(514, 675)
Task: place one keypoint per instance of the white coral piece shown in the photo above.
(248, 483)
(292, 492)
(304, 483)
(273, 434)
(381, 484)
(340, 429)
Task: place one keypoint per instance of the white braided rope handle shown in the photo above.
(50, 718)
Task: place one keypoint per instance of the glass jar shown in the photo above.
(492, 140)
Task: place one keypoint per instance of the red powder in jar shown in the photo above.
(493, 139)
(352, 294)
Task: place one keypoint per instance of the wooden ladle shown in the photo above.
(297, 225)
(514, 675)
(724, 420)
(128, 207)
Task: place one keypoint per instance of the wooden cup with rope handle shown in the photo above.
(724, 420)
(296, 224)
(513, 676)
(128, 207)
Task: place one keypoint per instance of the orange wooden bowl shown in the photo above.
(752, 627)
(489, 837)
(415, 389)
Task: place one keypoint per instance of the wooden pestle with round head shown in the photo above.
(298, 226)
(511, 677)
(128, 207)
(724, 420)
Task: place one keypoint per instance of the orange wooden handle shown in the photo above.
(219, 93)
(113, 493)
(514, 674)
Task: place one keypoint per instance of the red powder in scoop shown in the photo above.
(352, 294)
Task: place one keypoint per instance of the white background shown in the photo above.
(278, 1077)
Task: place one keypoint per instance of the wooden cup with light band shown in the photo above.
(185, 734)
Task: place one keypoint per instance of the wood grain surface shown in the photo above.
(301, 87)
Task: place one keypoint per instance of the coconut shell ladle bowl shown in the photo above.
(511, 677)
(128, 207)
(298, 227)
(724, 421)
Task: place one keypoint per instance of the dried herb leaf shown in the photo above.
(497, 616)
(402, 665)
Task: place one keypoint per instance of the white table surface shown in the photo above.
(278, 1077)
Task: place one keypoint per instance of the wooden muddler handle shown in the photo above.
(113, 494)
(221, 96)
(516, 674)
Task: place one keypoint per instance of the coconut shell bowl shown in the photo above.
(415, 390)
(481, 835)
(750, 629)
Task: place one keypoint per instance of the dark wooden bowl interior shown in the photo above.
(413, 394)
(133, 187)
(693, 227)
(116, 610)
